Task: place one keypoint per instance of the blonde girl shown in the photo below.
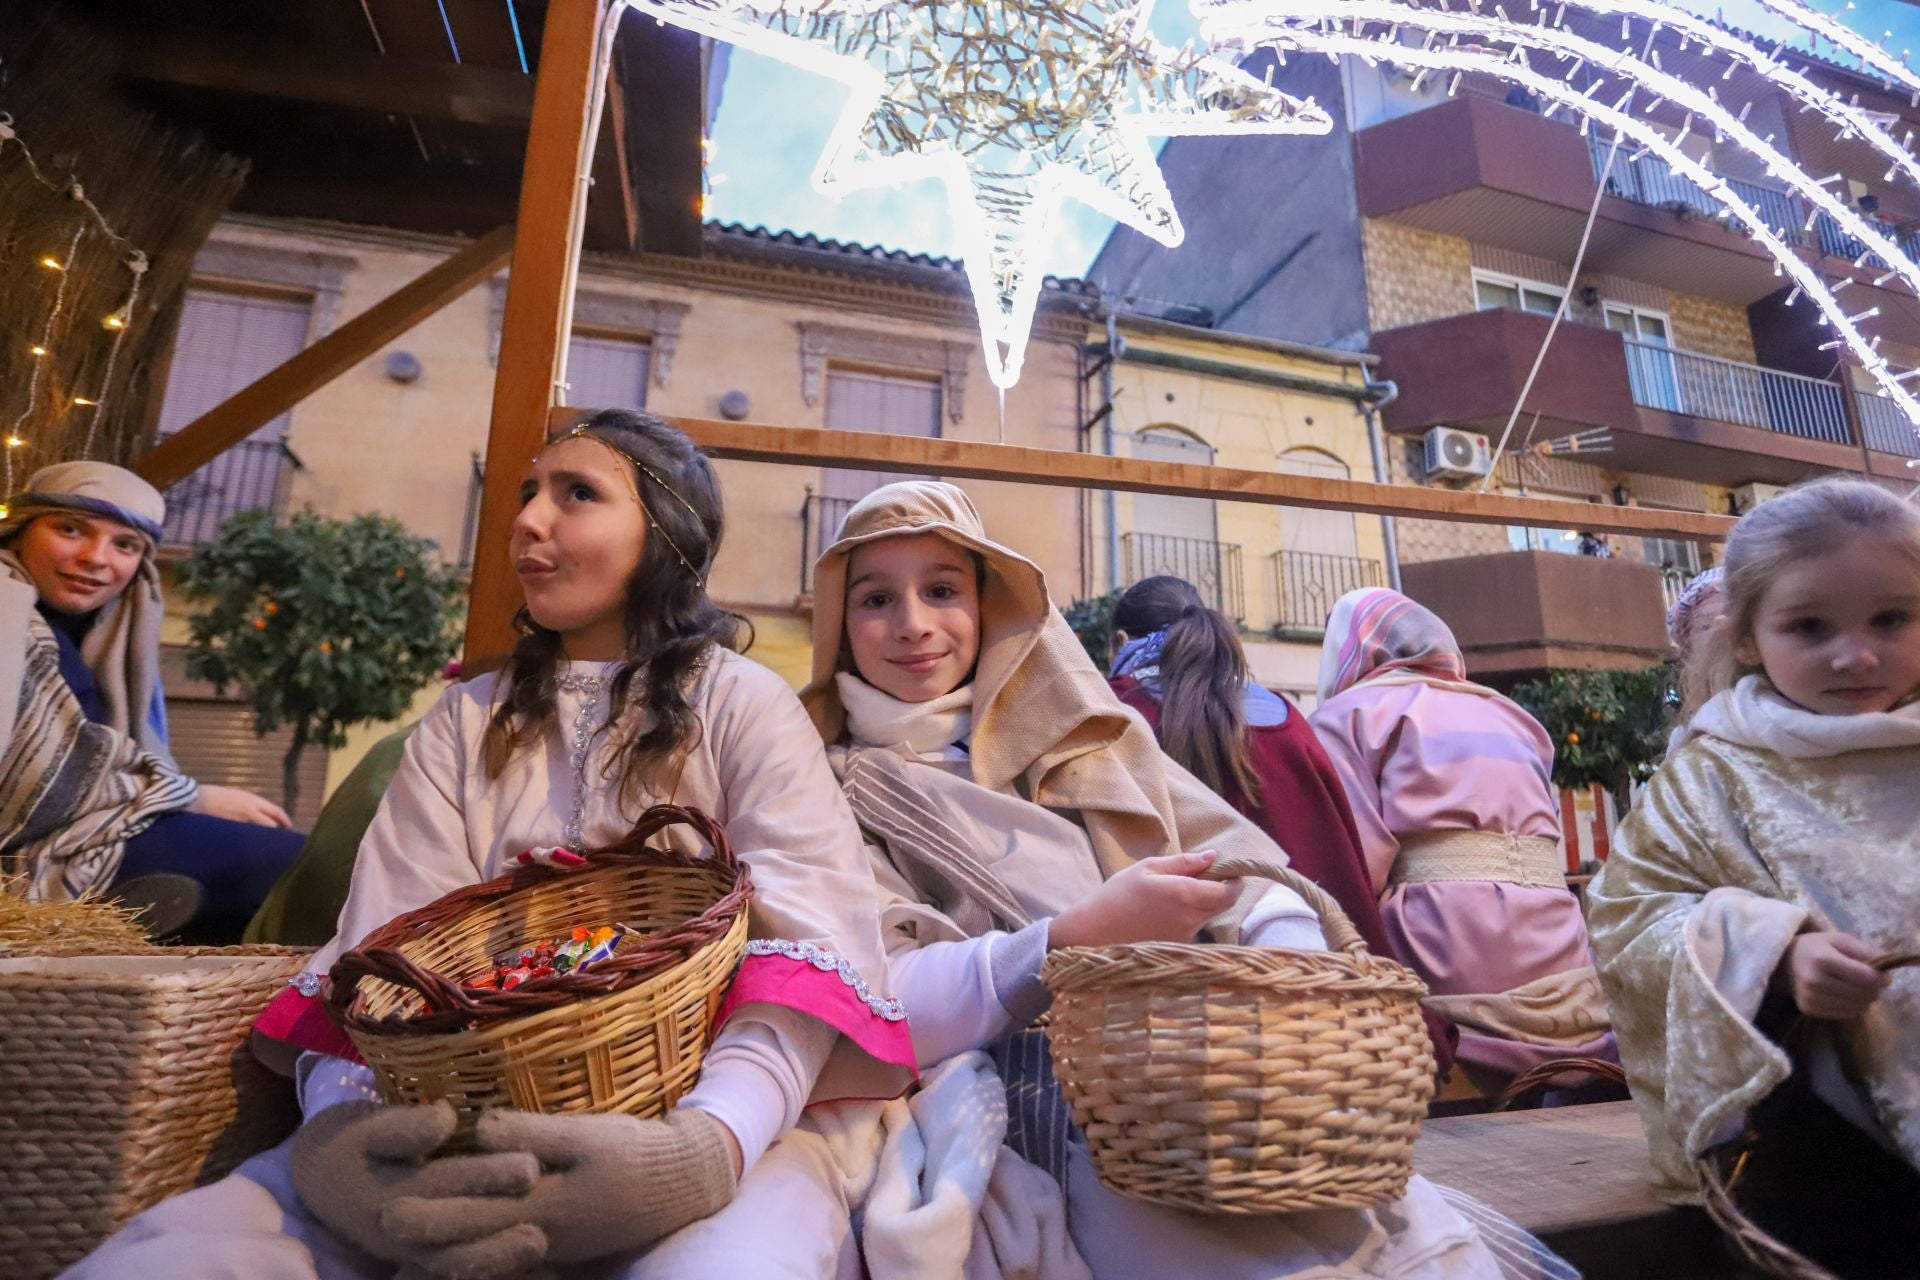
(1773, 858)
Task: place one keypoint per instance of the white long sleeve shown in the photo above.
(966, 994)
(1282, 918)
(758, 1074)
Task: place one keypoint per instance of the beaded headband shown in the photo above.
(580, 432)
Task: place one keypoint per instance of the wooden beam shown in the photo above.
(534, 323)
(372, 82)
(258, 403)
(966, 460)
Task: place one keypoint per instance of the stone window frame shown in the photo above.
(315, 272)
(658, 320)
(823, 342)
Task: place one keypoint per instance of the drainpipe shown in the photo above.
(1377, 445)
(1107, 445)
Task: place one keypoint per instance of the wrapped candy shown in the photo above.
(583, 948)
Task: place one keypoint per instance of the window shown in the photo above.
(1158, 514)
(227, 341)
(1492, 291)
(608, 372)
(1329, 533)
(1178, 536)
(1650, 368)
(878, 402)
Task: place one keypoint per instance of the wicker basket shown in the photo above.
(627, 1036)
(1719, 1171)
(1244, 1079)
(125, 1080)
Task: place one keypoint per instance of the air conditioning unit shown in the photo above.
(1453, 454)
(1749, 496)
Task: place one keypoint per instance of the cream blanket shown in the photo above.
(1770, 821)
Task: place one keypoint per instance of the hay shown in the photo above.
(84, 927)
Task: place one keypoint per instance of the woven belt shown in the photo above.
(1533, 861)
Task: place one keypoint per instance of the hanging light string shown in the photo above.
(43, 351)
(118, 322)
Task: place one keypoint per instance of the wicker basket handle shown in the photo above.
(1341, 935)
(659, 818)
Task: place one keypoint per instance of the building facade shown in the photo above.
(1437, 228)
(763, 327)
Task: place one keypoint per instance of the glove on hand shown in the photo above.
(612, 1185)
(353, 1158)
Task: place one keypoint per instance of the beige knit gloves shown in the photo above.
(352, 1160)
(610, 1185)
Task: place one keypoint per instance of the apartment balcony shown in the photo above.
(1671, 412)
(1522, 613)
(1510, 178)
(1212, 567)
(250, 476)
(1306, 583)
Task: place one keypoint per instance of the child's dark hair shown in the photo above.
(671, 625)
(1203, 675)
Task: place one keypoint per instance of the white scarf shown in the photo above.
(926, 731)
(1754, 714)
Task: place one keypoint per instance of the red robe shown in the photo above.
(1303, 807)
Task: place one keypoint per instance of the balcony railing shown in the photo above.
(1885, 425)
(1212, 567)
(1306, 583)
(1834, 239)
(1650, 180)
(1726, 390)
(820, 520)
(247, 477)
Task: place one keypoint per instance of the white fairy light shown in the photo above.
(1302, 25)
(1014, 104)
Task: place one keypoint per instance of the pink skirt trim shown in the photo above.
(302, 1021)
(821, 993)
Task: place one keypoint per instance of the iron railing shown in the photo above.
(248, 476)
(1651, 180)
(1709, 387)
(1306, 583)
(1212, 567)
(820, 520)
(1836, 240)
(1885, 425)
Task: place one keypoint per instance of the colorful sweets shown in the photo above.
(582, 949)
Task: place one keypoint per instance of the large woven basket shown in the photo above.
(1244, 1079)
(1719, 1170)
(125, 1080)
(627, 1036)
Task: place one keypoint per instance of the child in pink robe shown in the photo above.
(1451, 790)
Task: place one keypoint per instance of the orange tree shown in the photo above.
(324, 624)
(1608, 727)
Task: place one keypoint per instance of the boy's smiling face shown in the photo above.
(913, 615)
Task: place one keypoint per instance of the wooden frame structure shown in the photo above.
(576, 55)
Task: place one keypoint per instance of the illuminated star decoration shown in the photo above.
(1014, 103)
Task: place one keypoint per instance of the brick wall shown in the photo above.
(1414, 276)
(1712, 328)
(1421, 540)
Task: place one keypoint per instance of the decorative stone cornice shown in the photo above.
(311, 271)
(656, 319)
(821, 342)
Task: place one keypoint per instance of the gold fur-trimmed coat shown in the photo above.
(1769, 822)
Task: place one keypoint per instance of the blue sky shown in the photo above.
(774, 121)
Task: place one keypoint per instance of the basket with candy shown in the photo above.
(501, 994)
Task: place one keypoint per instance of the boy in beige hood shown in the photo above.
(1014, 805)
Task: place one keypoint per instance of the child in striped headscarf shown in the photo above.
(1451, 789)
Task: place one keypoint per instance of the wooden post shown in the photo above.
(535, 323)
(259, 402)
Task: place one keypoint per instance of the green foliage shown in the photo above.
(324, 623)
(1608, 727)
(1092, 621)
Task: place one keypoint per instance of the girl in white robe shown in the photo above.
(1017, 806)
(620, 521)
(1773, 859)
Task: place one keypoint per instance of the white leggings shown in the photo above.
(789, 1221)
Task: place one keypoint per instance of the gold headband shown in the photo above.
(580, 432)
